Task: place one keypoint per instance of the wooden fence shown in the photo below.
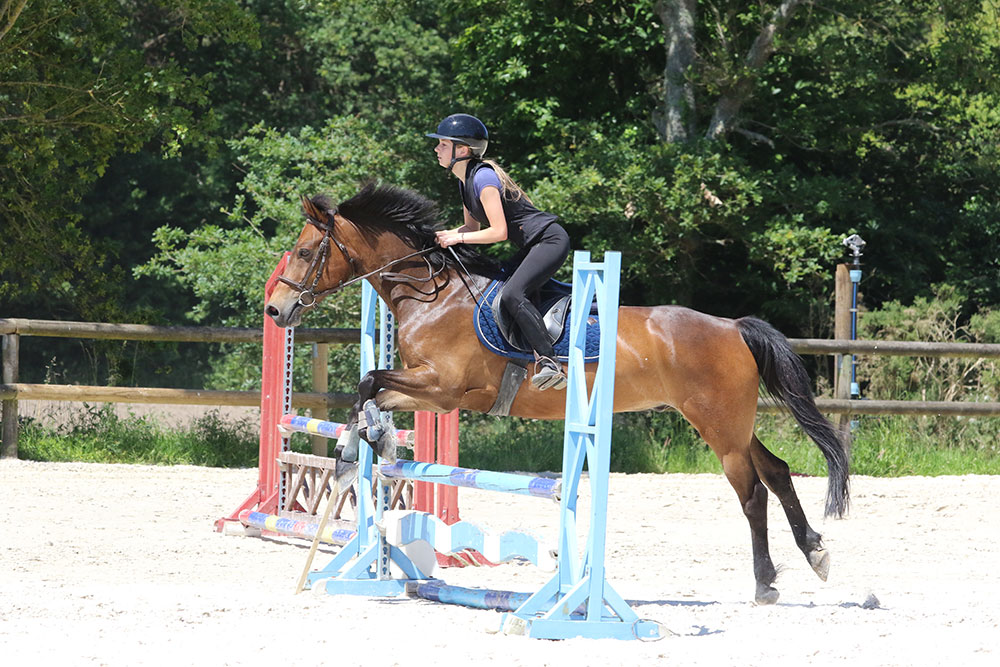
(11, 390)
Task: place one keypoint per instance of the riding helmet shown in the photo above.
(464, 129)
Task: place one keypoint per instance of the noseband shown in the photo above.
(308, 296)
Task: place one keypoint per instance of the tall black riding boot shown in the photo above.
(548, 372)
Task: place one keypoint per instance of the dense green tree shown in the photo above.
(805, 121)
(79, 86)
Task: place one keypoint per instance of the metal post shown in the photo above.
(11, 343)
(856, 245)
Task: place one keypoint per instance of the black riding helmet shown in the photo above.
(461, 128)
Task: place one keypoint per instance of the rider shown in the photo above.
(496, 209)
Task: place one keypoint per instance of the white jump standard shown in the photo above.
(578, 601)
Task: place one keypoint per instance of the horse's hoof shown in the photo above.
(370, 422)
(344, 474)
(766, 595)
(386, 447)
(820, 562)
(347, 444)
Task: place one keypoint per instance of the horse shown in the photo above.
(710, 369)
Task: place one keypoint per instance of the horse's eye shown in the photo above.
(305, 253)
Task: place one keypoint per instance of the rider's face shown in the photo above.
(443, 151)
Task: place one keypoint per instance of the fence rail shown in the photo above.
(11, 390)
(72, 392)
(11, 329)
(899, 348)
(150, 332)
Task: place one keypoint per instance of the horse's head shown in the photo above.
(319, 264)
(379, 228)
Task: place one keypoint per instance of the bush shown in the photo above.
(99, 435)
(937, 319)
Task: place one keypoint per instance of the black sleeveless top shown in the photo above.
(524, 222)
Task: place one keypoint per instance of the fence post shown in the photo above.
(8, 447)
(321, 384)
(842, 331)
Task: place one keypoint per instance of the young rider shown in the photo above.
(496, 209)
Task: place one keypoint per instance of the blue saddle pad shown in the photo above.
(489, 333)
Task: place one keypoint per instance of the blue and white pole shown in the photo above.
(856, 244)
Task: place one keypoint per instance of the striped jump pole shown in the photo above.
(525, 485)
(291, 423)
(338, 535)
(476, 598)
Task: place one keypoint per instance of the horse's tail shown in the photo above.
(784, 377)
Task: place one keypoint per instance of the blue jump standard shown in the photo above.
(578, 601)
(525, 485)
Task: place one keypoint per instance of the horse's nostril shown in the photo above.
(271, 311)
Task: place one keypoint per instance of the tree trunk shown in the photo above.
(10, 10)
(729, 105)
(678, 18)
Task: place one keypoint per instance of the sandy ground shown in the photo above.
(119, 565)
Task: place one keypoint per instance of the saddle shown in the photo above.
(552, 302)
(497, 331)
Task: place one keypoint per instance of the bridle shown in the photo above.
(308, 296)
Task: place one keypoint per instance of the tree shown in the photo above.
(78, 88)
(822, 119)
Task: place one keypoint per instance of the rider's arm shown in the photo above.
(471, 224)
(497, 231)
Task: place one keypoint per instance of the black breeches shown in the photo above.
(541, 260)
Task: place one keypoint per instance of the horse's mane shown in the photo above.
(411, 217)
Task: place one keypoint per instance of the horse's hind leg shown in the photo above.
(740, 472)
(729, 441)
(775, 474)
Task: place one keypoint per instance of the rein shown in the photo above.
(308, 296)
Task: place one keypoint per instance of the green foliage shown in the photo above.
(98, 435)
(80, 85)
(894, 446)
(939, 319)
(649, 200)
(649, 443)
(264, 222)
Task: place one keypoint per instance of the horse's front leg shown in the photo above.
(383, 391)
(411, 389)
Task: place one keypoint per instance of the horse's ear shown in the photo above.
(311, 210)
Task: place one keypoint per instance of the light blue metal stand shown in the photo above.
(551, 613)
(362, 566)
(578, 601)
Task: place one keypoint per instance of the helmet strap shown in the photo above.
(456, 160)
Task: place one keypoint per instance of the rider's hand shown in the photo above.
(448, 237)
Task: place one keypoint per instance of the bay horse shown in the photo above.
(710, 369)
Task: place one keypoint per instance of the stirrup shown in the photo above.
(549, 376)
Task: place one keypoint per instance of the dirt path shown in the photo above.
(119, 565)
